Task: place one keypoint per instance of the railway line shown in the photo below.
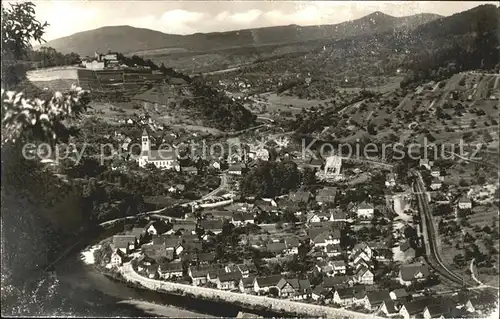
(431, 248)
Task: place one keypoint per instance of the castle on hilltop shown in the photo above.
(101, 61)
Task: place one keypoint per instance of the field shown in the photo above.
(293, 104)
(483, 216)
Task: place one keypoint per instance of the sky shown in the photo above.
(186, 17)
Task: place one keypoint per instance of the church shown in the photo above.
(163, 159)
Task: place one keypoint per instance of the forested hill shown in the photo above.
(129, 39)
(463, 41)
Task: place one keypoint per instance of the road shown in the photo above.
(430, 235)
(473, 274)
(223, 184)
(471, 160)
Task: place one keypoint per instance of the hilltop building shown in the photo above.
(101, 61)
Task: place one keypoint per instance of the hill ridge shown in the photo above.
(142, 39)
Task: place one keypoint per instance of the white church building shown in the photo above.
(163, 158)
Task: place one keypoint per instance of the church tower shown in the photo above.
(146, 145)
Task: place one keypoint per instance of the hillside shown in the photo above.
(466, 40)
(128, 39)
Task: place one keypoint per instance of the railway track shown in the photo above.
(431, 248)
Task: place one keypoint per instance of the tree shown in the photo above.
(31, 195)
(309, 177)
(19, 29)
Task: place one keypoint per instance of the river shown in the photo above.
(77, 289)
(81, 290)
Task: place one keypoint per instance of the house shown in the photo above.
(152, 271)
(399, 294)
(241, 219)
(288, 287)
(390, 180)
(139, 234)
(156, 227)
(326, 195)
(365, 210)
(413, 272)
(232, 268)
(246, 285)
(344, 296)
(265, 205)
(211, 225)
(339, 267)
(125, 243)
(172, 243)
(382, 254)
(206, 258)
(473, 305)
(437, 174)
(235, 169)
(117, 257)
(189, 247)
(464, 203)
(190, 170)
(414, 308)
(440, 311)
(324, 267)
(276, 248)
(286, 205)
(388, 308)
(262, 154)
(313, 218)
(337, 282)
(198, 275)
(374, 299)
(183, 226)
(333, 250)
(292, 245)
(425, 163)
(215, 164)
(170, 270)
(244, 270)
(359, 255)
(305, 289)
(143, 262)
(436, 184)
(321, 293)
(364, 275)
(407, 251)
(300, 196)
(218, 214)
(155, 252)
(228, 280)
(337, 215)
(263, 284)
(294, 288)
(323, 238)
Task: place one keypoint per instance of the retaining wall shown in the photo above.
(52, 74)
(279, 305)
(218, 204)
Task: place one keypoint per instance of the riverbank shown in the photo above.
(185, 301)
(280, 307)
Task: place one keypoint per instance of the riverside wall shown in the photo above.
(278, 305)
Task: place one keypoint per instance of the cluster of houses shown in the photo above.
(348, 277)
